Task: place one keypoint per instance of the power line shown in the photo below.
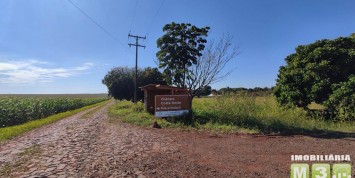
(155, 16)
(134, 15)
(98, 25)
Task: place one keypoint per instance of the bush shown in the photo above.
(342, 102)
(313, 70)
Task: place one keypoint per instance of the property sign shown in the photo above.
(320, 168)
(171, 105)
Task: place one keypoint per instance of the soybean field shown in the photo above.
(18, 109)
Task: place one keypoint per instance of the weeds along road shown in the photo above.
(89, 144)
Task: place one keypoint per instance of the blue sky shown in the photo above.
(51, 47)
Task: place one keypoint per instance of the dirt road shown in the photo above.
(95, 147)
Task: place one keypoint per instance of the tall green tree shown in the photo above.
(185, 60)
(180, 47)
(313, 71)
(120, 81)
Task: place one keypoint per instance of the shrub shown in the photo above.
(342, 102)
(313, 70)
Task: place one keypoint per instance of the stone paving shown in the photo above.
(92, 147)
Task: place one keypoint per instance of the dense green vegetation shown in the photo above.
(235, 113)
(120, 81)
(342, 100)
(261, 114)
(317, 73)
(18, 109)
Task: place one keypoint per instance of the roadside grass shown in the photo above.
(128, 112)
(263, 115)
(236, 113)
(13, 131)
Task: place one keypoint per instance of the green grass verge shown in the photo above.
(262, 115)
(236, 113)
(127, 112)
(13, 131)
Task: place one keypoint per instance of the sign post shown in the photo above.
(171, 105)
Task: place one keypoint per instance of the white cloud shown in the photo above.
(32, 71)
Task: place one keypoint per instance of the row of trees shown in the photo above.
(255, 91)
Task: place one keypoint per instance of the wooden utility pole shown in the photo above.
(136, 74)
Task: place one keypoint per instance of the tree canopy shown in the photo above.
(120, 83)
(180, 47)
(187, 63)
(314, 71)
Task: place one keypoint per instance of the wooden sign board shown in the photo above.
(171, 105)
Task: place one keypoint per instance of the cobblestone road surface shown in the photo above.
(77, 147)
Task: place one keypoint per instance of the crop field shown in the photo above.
(18, 109)
(103, 95)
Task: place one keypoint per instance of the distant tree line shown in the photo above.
(256, 91)
(120, 84)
